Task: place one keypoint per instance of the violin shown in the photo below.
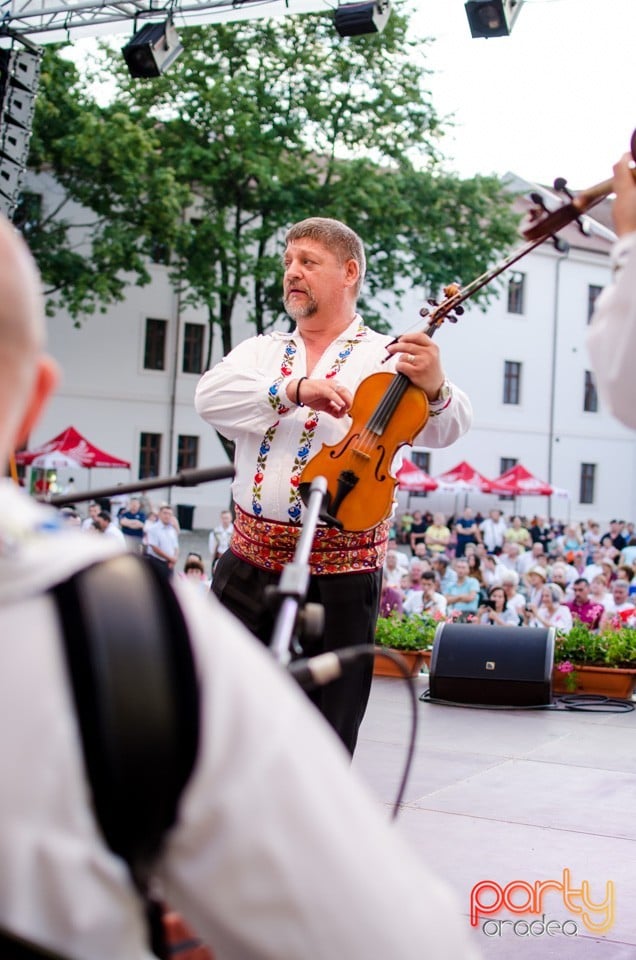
(388, 411)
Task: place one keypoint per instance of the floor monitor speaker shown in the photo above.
(492, 665)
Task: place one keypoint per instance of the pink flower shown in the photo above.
(565, 667)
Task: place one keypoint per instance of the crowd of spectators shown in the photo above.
(511, 571)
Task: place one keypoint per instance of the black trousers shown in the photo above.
(350, 602)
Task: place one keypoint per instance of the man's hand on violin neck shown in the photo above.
(327, 396)
(418, 358)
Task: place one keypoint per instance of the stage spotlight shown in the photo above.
(355, 19)
(152, 49)
(492, 18)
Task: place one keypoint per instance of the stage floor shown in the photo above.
(516, 796)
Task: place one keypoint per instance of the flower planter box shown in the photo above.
(383, 667)
(605, 681)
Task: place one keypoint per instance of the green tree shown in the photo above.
(258, 124)
(102, 159)
(271, 121)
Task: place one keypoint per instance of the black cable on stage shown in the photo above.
(317, 671)
(425, 697)
(595, 703)
(406, 675)
(589, 702)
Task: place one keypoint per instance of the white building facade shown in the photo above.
(129, 377)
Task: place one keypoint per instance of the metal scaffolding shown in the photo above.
(48, 21)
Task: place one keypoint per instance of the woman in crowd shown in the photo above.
(475, 571)
(599, 592)
(552, 612)
(495, 610)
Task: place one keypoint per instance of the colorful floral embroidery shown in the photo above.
(271, 545)
(286, 368)
(308, 431)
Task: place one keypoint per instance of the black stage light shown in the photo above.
(152, 49)
(492, 18)
(355, 19)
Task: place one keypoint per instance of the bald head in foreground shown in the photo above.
(27, 376)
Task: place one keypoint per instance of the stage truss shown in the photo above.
(48, 21)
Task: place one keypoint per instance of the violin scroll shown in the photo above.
(543, 223)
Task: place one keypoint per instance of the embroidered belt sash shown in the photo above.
(270, 545)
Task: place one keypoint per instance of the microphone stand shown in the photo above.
(294, 581)
(185, 478)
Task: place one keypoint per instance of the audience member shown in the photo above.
(220, 536)
(418, 529)
(391, 600)
(493, 531)
(510, 583)
(517, 533)
(132, 522)
(445, 573)
(621, 606)
(437, 536)
(162, 545)
(552, 612)
(582, 607)
(535, 580)
(466, 531)
(93, 513)
(194, 572)
(494, 610)
(394, 568)
(463, 595)
(103, 524)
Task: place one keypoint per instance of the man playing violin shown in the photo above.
(611, 339)
(279, 398)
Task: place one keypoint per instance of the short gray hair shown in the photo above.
(341, 239)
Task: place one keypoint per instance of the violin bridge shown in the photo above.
(360, 453)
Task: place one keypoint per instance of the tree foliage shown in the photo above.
(262, 123)
(101, 159)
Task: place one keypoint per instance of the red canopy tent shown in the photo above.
(413, 479)
(73, 445)
(519, 482)
(463, 478)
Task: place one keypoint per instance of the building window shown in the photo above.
(159, 252)
(149, 455)
(193, 347)
(187, 453)
(588, 473)
(155, 344)
(512, 382)
(422, 459)
(593, 292)
(506, 463)
(516, 292)
(590, 395)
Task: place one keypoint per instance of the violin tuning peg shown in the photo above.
(424, 312)
(584, 226)
(538, 200)
(433, 303)
(560, 185)
(452, 318)
(459, 311)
